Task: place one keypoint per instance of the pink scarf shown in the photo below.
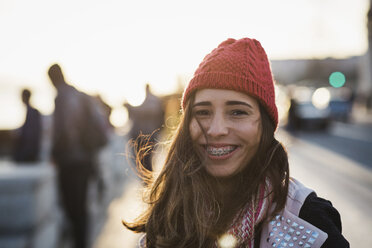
(242, 228)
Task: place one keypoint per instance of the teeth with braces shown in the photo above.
(220, 151)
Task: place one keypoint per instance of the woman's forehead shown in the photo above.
(223, 96)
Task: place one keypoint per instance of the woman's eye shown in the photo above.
(201, 112)
(238, 112)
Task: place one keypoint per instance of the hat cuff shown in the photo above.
(229, 81)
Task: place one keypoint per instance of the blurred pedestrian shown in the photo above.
(147, 121)
(105, 112)
(225, 182)
(78, 135)
(28, 139)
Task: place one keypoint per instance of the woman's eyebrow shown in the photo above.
(238, 103)
(205, 103)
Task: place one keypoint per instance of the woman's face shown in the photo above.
(232, 124)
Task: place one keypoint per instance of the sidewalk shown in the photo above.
(361, 115)
(113, 234)
(123, 203)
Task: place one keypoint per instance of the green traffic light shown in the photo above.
(337, 79)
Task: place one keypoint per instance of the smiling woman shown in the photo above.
(225, 181)
(232, 123)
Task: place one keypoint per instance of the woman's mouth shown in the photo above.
(220, 152)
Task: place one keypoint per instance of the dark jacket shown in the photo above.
(27, 146)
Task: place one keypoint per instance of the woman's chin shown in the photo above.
(221, 172)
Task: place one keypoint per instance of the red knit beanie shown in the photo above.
(240, 65)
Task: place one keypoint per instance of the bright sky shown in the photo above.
(115, 47)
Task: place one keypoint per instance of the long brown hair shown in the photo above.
(185, 210)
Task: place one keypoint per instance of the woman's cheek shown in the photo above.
(194, 129)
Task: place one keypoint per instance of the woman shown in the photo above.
(226, 178)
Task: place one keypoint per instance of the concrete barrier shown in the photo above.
(29, 213)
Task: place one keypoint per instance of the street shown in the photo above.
(353, 141)
(336, 164)
(339, 171)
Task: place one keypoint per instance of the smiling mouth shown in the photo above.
(220, 151)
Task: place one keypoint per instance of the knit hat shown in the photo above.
(240, 65)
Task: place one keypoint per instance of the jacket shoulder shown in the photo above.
(321, 213)
(287, 229)
(297, 194)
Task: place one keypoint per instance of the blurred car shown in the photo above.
(309, 108)
(341, 103)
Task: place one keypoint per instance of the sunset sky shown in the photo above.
(115, 47)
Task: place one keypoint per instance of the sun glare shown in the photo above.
(119, 116)
(136, 98)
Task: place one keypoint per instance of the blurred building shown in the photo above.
(317, 71)
(357, 70)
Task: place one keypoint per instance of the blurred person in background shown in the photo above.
(225, 181)
(147, 121)
(28, 139)
(106, 111)
(78, 135)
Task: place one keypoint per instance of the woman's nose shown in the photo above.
(217, 126)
